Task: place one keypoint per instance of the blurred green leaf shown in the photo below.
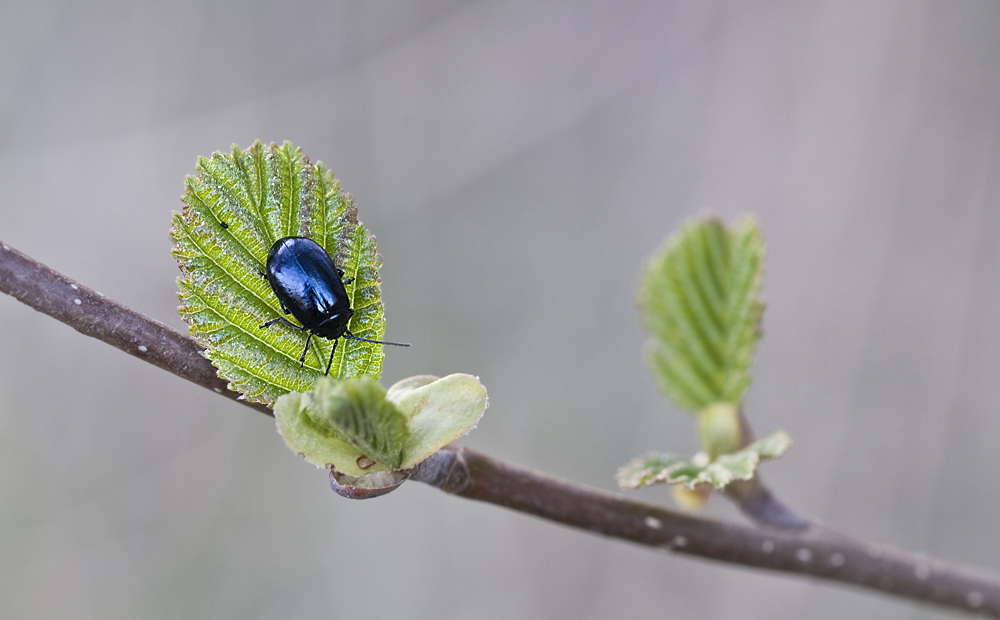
(719, 429)
(236, 207)
(656, 468)
(700, 297)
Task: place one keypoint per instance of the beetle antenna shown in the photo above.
(395, 344)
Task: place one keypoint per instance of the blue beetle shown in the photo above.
(309, 287)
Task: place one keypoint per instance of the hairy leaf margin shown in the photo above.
(659, 468)
(700, 297)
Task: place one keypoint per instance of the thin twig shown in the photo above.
(811, 549)
(755, 500)
(817, 550)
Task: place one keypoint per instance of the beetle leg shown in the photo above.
(340, 274)
(302, 360)
(282, 319)
(332, 351)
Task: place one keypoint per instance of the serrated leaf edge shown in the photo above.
(687, 337)
(251, 195)
(637, 474)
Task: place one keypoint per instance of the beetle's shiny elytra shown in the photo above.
(309, 287)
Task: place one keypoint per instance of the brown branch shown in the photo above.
(804, 548)
(94, 315)
(817, 550)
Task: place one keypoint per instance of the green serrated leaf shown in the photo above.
(657, 468)
(701, 299)
(649, 468)
(356, 411)
(236, 207)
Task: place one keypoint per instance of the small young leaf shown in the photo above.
(236, 207)
(719, 429)
(403, 387)
(356, 410)
(316, 445)
(318, 425)
(651, 468)
(700, 297)
(655, 468)
(439, 412)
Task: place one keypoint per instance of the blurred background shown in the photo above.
(518, 162)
